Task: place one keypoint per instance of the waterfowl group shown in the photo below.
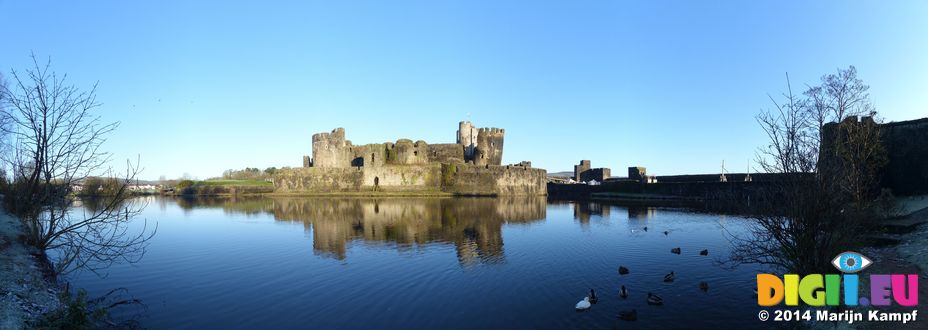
(587, 301)
(653, 299)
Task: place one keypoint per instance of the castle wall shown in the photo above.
(463, 179)
(331, 149)
(906, 145)
(410, 153)
(318, 179)
(373, 154)
(447, 153)
(580, 168)
(489, 149)
(493, 180)
(419, 178)
(906, 170)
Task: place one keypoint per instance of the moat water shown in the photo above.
(451, 263)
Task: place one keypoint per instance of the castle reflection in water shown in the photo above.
(472, 225)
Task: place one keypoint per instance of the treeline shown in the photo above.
(249, 173)
(97, 186)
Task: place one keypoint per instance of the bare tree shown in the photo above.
(829, 172)
(54, 142)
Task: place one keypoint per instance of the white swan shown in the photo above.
(583, 304)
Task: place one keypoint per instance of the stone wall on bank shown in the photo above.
(454, 178)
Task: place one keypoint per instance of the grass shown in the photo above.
(235, 183)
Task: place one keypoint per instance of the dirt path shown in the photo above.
(24, 293)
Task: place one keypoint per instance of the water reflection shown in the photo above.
(472, 225)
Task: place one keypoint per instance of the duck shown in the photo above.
(666, 233)
(704, 252)
(669, 277)
(645, 228)
(675, 250)
(654, 299)
(583, 304)
(623, 270)
(631, 315)
(704, 286)
(623, 293)
(592, 296)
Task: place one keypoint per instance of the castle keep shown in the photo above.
(470, 166)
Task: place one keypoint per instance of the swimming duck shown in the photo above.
(583, 304)
(646, 228)
(704, 252)
(669, 277)
(623, 270)
(623, 293)
(675, 250)
(592, 296)
(631, 315)
(654, 299)
(704, 286)
(666, 233)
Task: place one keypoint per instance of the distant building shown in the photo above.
(584, 173)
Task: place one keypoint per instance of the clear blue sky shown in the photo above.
(674, 86)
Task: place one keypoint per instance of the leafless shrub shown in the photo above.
(53, 141)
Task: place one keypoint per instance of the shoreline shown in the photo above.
(26, 293)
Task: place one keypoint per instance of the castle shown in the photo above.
(470, 166)
(475, 146)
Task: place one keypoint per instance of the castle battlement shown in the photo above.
(480, 146)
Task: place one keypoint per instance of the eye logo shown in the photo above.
(851, 262)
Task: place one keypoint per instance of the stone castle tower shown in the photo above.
(467, 136)
(489, 149)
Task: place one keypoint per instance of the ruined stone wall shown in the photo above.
(469, 179)
(318, 179)
(447, 153)
(598, 174)
(373, 154)
(416, 178)
(331, 149)
(455, 178)
(580, 168)
(410, 153)
(489, 149)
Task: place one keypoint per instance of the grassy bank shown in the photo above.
(224, 187)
